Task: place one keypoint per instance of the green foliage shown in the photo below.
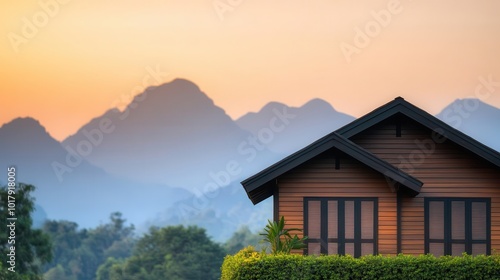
(249, 264)
(79, 253)
(169, 253)
(32, 246)
(280, 239)
(7, 275)
(240, 239)
(57, 273)
(109, 270)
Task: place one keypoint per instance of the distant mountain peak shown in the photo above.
(475, 118)
(470, 99)
(174, 127)
(470, 104)
(313, 104)
(177, 85)
(307, 123)
(25, 121)
(318, 103)
(271, 105)
(24, 124)
(181, 82)
(178, 94)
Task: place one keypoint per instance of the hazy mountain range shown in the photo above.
(172, 156)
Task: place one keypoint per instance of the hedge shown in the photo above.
(249, 264)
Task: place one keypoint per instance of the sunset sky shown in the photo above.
(65, 62)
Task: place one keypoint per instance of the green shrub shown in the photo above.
(249, 264)
(280, 238)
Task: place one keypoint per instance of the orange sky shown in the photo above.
(83, 57)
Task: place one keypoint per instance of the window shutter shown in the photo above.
(349, 221)
(333, 219)
(457, 225)
(313, 248)
(478, 249)
(333, 248)
(340, 226)
(457, 249)
(349, 249)
(437, 249)
(314, 220)
(478, 210)
(367, 222)
(436, 220)
(366, 249)
(458, 220)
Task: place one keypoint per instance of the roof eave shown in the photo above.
(255, 184)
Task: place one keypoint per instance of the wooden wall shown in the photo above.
(446, 169)
(319, 178)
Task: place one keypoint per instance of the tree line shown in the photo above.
(61, 251)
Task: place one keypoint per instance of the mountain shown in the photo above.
(287, 129)
(170, 134)
(67, 186)
(276, 127)
(174, 134)
(474, 118)
(173, 157)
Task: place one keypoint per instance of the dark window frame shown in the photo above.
(341, 240)
(447, 238)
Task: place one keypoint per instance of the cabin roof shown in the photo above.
(401, 106)
(262, 185)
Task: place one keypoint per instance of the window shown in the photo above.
(341, 226)
(457, 225)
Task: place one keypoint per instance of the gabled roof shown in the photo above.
(401, 106)
(261, 185)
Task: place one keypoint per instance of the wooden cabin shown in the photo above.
(397, 180)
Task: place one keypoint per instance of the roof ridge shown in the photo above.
(421, 116)
(260, 186)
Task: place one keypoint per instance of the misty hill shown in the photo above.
(474, 118)
(170, 134)
(173, 135)
(221, 212)
(276, 127)
(303, 124)
(71, 188)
